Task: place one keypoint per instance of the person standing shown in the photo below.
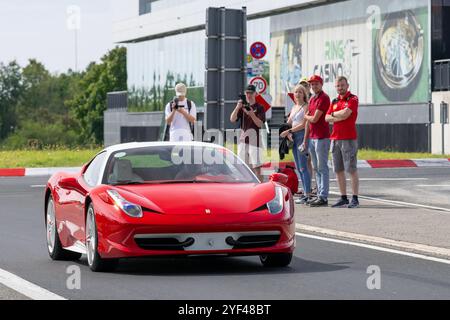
(181, 115)
(343, 113)
(304, 82)
(297, 132)
(252, 116)
(317, 138)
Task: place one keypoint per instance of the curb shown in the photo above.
(267, 167)
(35, 172)
(375, 164)
(416, 248)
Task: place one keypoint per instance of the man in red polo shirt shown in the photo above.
(343, 113)
(317, 136)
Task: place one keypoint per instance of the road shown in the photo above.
(321, 269)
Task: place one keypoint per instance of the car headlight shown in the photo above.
(131, 209)
(275, 206)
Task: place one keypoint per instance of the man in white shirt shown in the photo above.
(181, 113)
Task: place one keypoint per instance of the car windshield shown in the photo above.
(176, 164)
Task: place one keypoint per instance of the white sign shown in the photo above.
(73, 21)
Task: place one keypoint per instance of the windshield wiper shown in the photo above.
(127, 182)
(182, 181)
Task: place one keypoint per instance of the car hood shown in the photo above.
(196, 198)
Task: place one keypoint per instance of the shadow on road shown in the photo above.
(210, 266)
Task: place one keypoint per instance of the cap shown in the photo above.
(180, 90)
(250, 88)
(315, 78)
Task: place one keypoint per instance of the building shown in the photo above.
(392, 51)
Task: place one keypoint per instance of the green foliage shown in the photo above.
(39, 109)
(89, 102)
(11, 89)
(36, 135)
(156, 97)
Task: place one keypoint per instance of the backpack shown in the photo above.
(292, 182)
(189, 105)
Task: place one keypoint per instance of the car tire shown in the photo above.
(276, 259)
(95, 262)
(54, 247)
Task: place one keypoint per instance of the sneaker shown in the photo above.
(342, 203)
(319, 203)
(302, 200)
(310, 200)
(354, 204)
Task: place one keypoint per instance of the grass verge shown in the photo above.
(77, 157)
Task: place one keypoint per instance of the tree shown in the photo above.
(89, 103)
(11, 88)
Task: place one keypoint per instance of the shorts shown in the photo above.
(252, 155)
(344, 154)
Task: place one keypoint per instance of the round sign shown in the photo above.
(258, 50)
(260, 83)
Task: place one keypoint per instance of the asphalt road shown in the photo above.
(427, 186)
(320, 269)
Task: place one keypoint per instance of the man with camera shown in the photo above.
(181, 115)
(252, 116)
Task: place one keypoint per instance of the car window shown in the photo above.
(172, 164)
(92, 172)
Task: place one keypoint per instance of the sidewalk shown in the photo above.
(411, 229)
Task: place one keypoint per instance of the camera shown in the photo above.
(244, 102)
(176, 100)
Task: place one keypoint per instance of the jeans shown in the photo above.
(301, 162)
(319, 149)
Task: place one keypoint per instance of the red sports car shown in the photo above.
(166, 199)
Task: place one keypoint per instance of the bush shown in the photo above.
(36, 136)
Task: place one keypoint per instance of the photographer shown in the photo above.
(181, 114)
(252, 116)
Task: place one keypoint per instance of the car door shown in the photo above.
(88, 180)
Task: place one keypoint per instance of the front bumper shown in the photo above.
(243, 234)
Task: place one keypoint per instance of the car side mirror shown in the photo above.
(69, 183)
(83, 168)
(279, 177)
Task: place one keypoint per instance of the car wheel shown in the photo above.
(95, 262)
(55, 249)
(276, 259)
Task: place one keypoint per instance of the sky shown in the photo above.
(39, 29)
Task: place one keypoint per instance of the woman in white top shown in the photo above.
(296, 133)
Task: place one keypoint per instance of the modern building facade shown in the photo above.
(388, 49)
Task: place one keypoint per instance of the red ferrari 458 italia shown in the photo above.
(167, 199)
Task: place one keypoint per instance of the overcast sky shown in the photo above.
(39, 29)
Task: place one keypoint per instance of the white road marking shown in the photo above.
(433, 185)
(37, 186)
(392, 179)
(399, 203)
(26, 288)
(374, 247)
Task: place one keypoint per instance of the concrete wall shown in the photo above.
(115, 119)
(401, 113)
(436, 127)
